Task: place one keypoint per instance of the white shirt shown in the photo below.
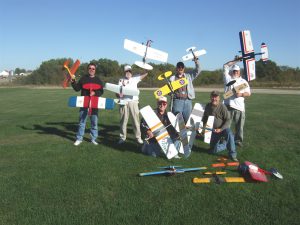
(235, 102)
(130, 83)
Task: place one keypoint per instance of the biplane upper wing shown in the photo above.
(159, 131)
(248, 55)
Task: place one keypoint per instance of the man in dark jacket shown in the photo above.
(222, 137)
(89, 85)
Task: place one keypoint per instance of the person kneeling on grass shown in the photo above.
(222, 137)
(151, 146)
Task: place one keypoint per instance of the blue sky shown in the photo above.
(34, 31)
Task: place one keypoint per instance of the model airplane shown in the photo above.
(121, 90)
(159, 131)
(70, 72)
(248, 54)
(219, 180)
(193, 54)
(91, 102)
(194, 123)
(235, 89)
(146, 52)
(178, 123)
(171, 170)
(170, 87)
(256, 173)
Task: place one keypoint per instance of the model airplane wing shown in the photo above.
(194, 123)
(70, 72)
(183, 135)
(208, 129)
(119, 89)
(174, 85)
(191, 56)
(145, 51)
(91, 102)
(159, 131)
(236, 89)
(173, 170)
(248, 55)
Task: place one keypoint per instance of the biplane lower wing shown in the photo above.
(159, 131)
(208, 129)
(119, 89)
(174, 85)
(91, 102)
(178, 123)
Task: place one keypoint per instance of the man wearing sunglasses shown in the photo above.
(182, 98)
(151, 147)
(89, 85)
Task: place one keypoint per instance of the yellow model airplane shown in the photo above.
(170, 86)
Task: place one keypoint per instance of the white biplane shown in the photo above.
(146, 52)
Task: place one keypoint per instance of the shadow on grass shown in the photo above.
(108, 134)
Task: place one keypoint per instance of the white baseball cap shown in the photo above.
(162, 99)
(127, 67)
(235, 67)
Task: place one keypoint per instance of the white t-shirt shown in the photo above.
(235, 102)
(130, 83)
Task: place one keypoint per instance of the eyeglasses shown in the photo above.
(180, 67)
(91, 68)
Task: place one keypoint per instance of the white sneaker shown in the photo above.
(77, 142)
(121, 141)
(140, 141)
(94, 142)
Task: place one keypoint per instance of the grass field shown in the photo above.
(44, 179)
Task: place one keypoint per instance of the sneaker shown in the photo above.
(140, 141)
(121, 141)
(77, 142)
(94, 142)
(234, 159)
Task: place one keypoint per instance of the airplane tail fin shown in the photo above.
(265, 53)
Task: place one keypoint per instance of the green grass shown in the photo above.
(44, 179)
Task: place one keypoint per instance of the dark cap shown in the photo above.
(180, 64)
(215, 93)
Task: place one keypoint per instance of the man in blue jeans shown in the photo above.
(222, 137)
(89, 85)
(182, 98)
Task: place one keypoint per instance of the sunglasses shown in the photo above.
(91, 68)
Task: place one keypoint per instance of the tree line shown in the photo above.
(51, 72)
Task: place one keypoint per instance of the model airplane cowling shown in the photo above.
(146, 52)
(248, 54)
(171, 170)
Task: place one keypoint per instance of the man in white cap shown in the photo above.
(130, 105)
(151, 147)
(236, 103)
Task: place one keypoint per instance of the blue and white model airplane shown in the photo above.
(248, 54)
(171, 170)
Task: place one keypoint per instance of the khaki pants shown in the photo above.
(238, 118)
(133, 108)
